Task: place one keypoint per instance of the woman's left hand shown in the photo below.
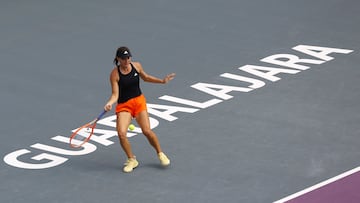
(169, 77)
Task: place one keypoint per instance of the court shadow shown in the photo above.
(155, 166)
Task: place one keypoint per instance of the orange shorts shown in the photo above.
(134, 106)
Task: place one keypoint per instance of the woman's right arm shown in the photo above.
(114, 78)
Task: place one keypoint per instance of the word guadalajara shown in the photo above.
(51, 156)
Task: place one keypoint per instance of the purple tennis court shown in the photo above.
(341, 188)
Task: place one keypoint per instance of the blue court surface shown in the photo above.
(264, 107)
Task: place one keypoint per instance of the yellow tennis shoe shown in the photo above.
(130, 164)
(164, 160)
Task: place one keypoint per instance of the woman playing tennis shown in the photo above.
(131, 103)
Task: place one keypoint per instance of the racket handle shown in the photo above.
(101, 115)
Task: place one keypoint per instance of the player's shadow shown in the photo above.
(157, 166)
(111, 165)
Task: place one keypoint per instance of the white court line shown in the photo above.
(343, 175)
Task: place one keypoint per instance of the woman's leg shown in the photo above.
(143, 120)
(123, 121)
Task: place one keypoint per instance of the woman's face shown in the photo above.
(124, 60)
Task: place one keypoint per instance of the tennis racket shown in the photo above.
(83, 134)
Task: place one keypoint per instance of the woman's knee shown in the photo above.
(122, 134)
(147, 132)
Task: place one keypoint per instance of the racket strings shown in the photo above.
(82, 135)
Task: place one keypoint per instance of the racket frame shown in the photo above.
(92, 125)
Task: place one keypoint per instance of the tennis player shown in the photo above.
(131, 103)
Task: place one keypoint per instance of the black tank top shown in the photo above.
(129, 85)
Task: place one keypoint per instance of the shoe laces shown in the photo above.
(162, 155)
(129, 161)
